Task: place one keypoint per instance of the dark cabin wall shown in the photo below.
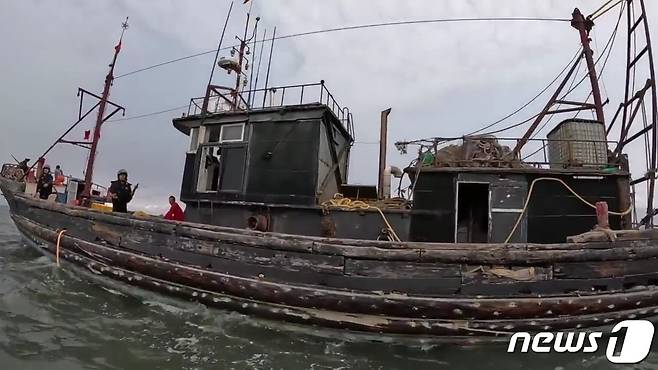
(280, 165)
(189, 172)
(283, 159)
(310, 221)
(554, 213)
(333, 148)
(280, 161)
(433, 216)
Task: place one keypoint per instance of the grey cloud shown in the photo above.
(440, 79)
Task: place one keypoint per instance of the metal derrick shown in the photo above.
(635, 98)
(102, 105)
(584, 26)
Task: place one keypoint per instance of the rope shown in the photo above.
(347, 204)
(527, 201)
(59, 239)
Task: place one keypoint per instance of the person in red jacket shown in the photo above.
(175, 212)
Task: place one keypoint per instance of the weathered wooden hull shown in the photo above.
(425, 289)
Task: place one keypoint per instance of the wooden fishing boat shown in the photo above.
(485, 244)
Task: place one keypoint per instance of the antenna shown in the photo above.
(241, 58)
(253, 60)
(219, 46)
(269, 64)
(260, 59)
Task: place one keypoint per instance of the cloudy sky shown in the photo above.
(440, 79)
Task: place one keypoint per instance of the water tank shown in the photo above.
(578, 143)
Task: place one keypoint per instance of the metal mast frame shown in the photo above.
(634, 100)
(584, 26)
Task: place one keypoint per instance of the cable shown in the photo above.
(608, 44)
(551, 118)
(531, 100)
(608, 48)
(594, 15)
(148, 114)
(347, 28)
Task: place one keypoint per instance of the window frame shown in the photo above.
(221, 133)
(195, 140)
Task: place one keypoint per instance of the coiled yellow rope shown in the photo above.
(527, 201)
(347, 204)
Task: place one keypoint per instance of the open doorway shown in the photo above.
(472, 224)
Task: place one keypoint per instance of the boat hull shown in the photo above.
(451, 290)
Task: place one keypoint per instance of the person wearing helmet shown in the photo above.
(24, 165)
(45, 183)
(121, 192)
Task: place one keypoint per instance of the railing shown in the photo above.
(220, 99)
(536, 156)
(13, 172)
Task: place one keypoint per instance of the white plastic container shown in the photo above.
(578, 143)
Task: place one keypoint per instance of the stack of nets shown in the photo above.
(475, 151)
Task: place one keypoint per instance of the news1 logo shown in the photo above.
(629, 342)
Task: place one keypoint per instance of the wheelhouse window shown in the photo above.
(231, 133)
(220, 170)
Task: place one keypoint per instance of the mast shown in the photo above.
(89, 172)
(244, 48)
(584, 26)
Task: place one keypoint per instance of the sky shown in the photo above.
(440, 79)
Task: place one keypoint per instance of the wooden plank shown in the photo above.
(495, 254)
(485, 254)
(540, 288)
(604, 269)
(399, 270)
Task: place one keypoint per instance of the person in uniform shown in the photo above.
(121, 192)
(45, 183)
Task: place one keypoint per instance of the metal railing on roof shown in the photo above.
(546, 153)
(221, 99)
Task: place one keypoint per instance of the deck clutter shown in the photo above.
(485, 239)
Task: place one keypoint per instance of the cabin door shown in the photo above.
(472, 217)
(232, 167)
(208, 174)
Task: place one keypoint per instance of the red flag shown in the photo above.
(87, 134)
(118, 47)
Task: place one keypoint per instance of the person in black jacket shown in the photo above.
(121, 192)
(45, 183)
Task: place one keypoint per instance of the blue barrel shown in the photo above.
(61, 197)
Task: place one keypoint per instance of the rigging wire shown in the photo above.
(607, 48)
(580, 63)
(599, 12)
(148, 114)
(531, 100)
(609, 44)
(349, 28)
